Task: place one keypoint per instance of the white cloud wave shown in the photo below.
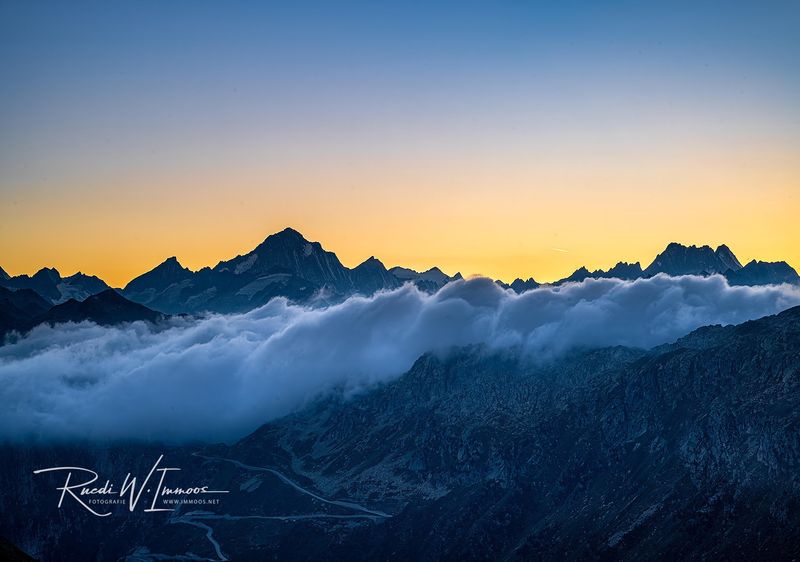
(220, 377)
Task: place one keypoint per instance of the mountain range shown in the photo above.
(23, 309)
(688, 451)
(678, 259)
(286, 264)
(49, 284)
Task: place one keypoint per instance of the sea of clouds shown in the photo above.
(220, 377)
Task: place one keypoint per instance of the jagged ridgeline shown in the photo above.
(288, 265)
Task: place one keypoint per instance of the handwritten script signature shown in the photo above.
(85, 493)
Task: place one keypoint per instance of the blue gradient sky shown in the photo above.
(472, 135)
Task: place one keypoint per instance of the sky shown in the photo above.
(509, 138)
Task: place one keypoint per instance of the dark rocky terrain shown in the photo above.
(23, 309)
(688, 451)
(19, 309)
(10, 553)
(106, 308)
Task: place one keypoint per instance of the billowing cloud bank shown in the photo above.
(220, 377)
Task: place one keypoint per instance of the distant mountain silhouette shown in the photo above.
(288, 252)
(23, 309)
(577, 276)
(54, 288)
(285, 265)
(45, 282)
(678, 259)
(106, 308)
(682, 260)
(622, 270)
(519, 285)
(729, 261)
(288, 265)
(625, 270)
(19, 309)
(763, 273)
(161, 287)
(430, 281)
(162, 276)
(372, 276)
(3, 274)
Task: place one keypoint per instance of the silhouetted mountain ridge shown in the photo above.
(23, 309)
(285, 264)
(19, 309)
(677, 259)
(49, 284)
(288, 265)
(762, 273)
(430, 280)
(105, 308)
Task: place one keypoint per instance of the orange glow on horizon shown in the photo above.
(599, 214)
(515, 139)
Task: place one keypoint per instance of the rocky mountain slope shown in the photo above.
(677, 259)
(106, 308)
(49, 284)
(622, 270)
(763, 273)
(19, 309)
(23, 309)
(430, 280)
(285, 264)
(688, 451)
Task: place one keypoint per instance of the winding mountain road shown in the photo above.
(286, 480)
(198, 518)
